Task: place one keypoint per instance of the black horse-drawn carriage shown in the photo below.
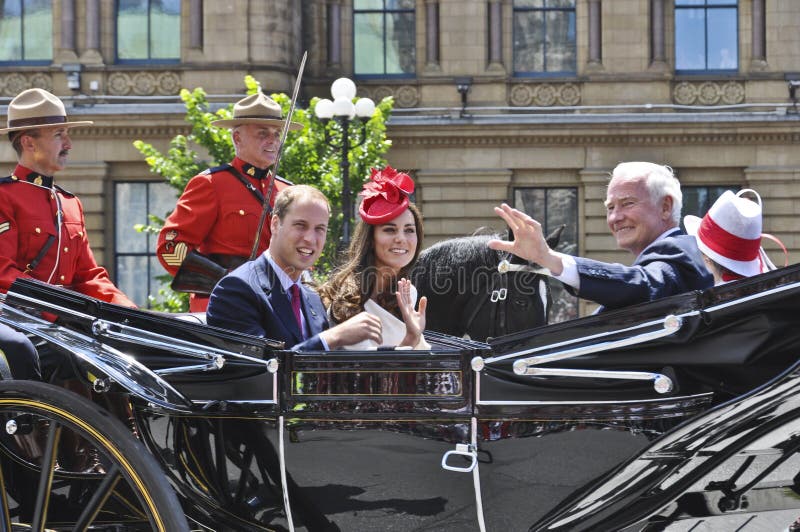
(668, 414)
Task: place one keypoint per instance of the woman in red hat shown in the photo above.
(383, 251)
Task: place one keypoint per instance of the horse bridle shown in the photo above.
(499, 294)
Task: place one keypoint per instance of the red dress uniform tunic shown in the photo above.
(216, 214)
(28, 208)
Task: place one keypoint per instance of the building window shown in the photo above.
(554, 207)
(26, 31)
(706, 36)
(544, 37)
(137, 268)
(148, 31)
(697, 200)
(384, 36)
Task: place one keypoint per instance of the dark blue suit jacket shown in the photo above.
(668, 266)
(250, 299)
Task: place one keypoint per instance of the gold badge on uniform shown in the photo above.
(251, 171)
(37, 180)
(171, 234)
(5, 226)
(176, 257)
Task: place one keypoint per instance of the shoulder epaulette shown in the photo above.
(64, 191)
(215, 169)
(7, 179)
(283, 180)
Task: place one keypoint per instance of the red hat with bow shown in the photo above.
(385, 195)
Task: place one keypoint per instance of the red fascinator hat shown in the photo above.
(385, 195)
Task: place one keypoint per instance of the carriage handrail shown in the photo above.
(661, 382)
(101, 328)
(571, 341)
(103, 357)
(175, 345)
(670, 325)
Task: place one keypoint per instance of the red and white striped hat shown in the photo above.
(730, 233)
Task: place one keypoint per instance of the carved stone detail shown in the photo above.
(379, 93)
(733, 92)
(404, 95)
(144, 83)
(168, 83)
(684, 93)
(569, 94)
(545, 94)
(407, 96)
(708, 93)
(119, 84)
(42, 81)
(16, 82)
(520, 95)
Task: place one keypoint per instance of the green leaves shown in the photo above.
(311, 156)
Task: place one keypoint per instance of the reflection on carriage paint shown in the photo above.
(374, 383)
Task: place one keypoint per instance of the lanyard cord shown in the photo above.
(58, 220)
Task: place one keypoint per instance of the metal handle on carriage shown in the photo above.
(175, 345)
(670, 325)
(462, 449)
(661, 383)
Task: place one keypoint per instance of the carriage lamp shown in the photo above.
(351, 132)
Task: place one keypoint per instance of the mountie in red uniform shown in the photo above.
(37, 241)
(218, 215)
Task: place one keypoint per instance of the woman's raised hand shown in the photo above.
(414, 319)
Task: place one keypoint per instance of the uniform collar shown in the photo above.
(22, 173)
(249, 169)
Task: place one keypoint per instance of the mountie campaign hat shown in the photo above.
(37, 108)
(385, 195)
(257, 108)
(730, 233)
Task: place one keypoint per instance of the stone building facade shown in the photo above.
(525, 101)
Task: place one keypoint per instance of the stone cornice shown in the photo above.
(654, 138)
(130, 131)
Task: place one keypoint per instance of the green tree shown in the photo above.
(308, 157)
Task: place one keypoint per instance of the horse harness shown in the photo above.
(498, 293)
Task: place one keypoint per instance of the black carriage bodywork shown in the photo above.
(676, 412)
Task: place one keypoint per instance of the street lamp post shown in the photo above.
(344, 111)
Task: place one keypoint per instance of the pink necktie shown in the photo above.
(295, 291)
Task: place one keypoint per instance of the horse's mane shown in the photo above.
(468, 253)
(466, 250)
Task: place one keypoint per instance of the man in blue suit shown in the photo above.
(643, 209)
(265, 297)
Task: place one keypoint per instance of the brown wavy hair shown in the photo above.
(352, 283)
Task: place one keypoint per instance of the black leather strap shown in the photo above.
(42, 252)
(247, 184)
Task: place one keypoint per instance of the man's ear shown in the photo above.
(666, 207)
(274, 221)
(26, 142)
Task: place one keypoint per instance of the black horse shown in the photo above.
(479, 292)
